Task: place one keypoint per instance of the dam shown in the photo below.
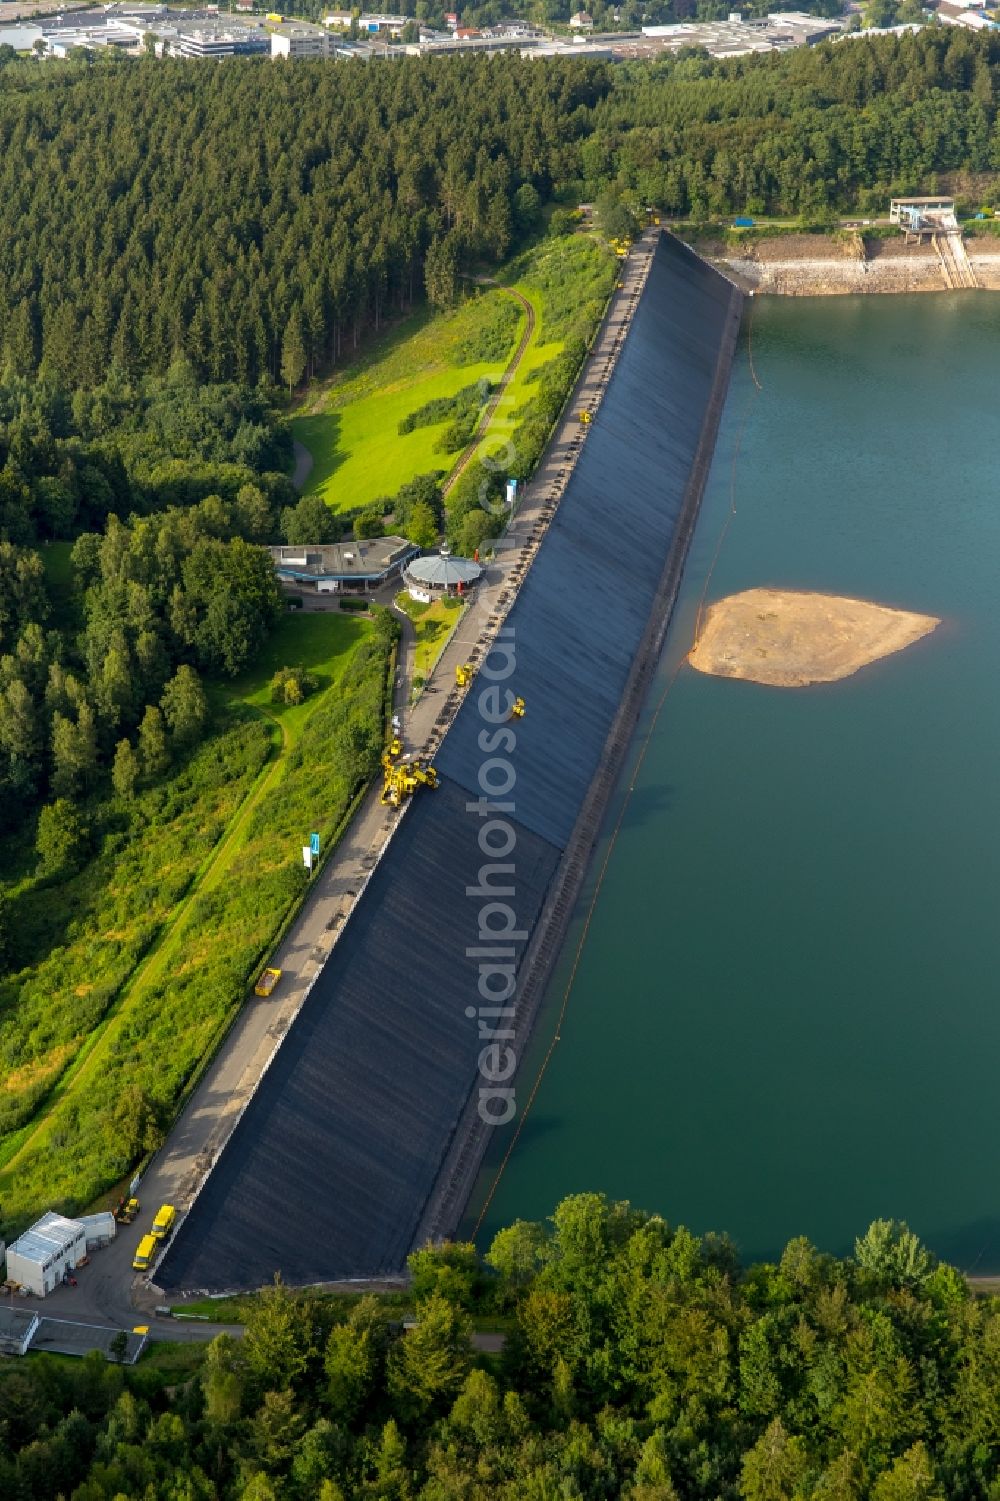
(783, 1021)
(366, 1131)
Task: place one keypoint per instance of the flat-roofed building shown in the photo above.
(21, 38)
(300, 41)
(17, 1325)
(41, 1257)
(100, 1229)
(371, 24)
(337, 566)
(235, 41)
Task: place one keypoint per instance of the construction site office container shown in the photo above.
(39, 1258)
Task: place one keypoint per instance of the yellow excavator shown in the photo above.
(464, 674)
(400, 779)
(517, 709)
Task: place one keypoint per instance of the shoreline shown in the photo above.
(815, 265)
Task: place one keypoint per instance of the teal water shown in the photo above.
(786, 1018)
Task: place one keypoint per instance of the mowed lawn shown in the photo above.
(320, 641)
(352, 429)
(432, 625)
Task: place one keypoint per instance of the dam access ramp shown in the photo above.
(935, 219)
(955, 264)
(365, 1132)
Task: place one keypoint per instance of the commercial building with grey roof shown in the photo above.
(336, 566)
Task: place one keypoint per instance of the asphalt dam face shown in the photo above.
(329, 1171)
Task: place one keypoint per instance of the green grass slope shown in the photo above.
(351, 427)
(142, 958)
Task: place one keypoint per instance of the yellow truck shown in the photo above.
(268, 980)
(165, 1216)
(144, 1254)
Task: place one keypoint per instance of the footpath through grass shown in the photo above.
(351, 424)
(146, 953)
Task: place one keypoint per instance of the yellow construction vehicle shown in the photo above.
(400, 779)
(463, 674)
(165, 1216)
(147, 1249)
(268, 980)
(585, 417)
(517, 709)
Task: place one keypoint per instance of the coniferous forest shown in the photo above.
(259, 220)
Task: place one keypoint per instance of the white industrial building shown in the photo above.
(21, 38)
(371, 24)
(300, 41)
(39, 1258)
(100, 1229)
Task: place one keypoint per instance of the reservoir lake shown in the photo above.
(786, 1015)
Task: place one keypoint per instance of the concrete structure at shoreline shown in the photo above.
(818, 266)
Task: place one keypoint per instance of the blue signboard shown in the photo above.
(314, 844)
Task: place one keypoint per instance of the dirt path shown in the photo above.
(468, 453)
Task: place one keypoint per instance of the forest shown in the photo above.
(258, 220)
(165, 489)
(639, 1361)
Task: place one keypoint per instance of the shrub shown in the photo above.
(368, 523)
(494, 339)
(63, 837)
(292, 685)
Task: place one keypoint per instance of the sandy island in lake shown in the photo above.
(788, 639)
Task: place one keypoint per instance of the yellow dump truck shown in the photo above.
(145, 1253)
(165, 1216)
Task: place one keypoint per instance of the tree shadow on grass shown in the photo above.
(321, 434)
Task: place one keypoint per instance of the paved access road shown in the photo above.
(108, 1290)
